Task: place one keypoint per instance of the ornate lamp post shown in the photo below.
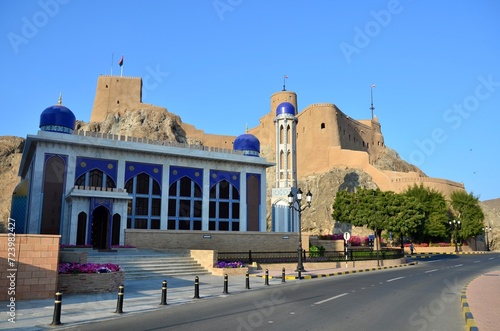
(486, 230)
(291, 202)
(455, 225)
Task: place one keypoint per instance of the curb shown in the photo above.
(338, 273)
(449, 253)
(470, 324)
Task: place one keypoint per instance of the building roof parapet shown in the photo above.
(148, 141)
(98, 192)
(427, 179)
(113, 76)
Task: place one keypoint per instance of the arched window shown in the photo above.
(184, 205)
(224, 208)
(95, 178)
(322, 125)
(145, 207)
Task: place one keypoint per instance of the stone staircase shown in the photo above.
(143, 264)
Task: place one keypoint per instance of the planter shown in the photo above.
(90, 283)
(229, 271)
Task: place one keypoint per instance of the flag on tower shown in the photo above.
(120, 63)
(373, 85)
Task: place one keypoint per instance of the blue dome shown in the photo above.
(247, 143)
(57, 118)
(285, 108)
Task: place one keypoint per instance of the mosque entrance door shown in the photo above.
(100, 228)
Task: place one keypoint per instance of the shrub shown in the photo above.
(355, 241)
(315, 251)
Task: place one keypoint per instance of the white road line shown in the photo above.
(491, 258)
(430, 271)
(458, 265)
(391, 280)
(332, 298)
(476, 261)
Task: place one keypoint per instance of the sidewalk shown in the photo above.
(145, 295)
(483, 298)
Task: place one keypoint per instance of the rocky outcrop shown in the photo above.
(389, 159)
(10, 158)
(491, 209)
(141, 123)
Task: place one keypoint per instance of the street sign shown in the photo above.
(347, 236)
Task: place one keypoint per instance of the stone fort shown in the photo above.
(337, 140)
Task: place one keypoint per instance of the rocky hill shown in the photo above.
(152, 124)
(10, 158)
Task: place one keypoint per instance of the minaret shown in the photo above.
(286, 147)
(284, 104)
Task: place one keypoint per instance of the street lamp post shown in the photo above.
(291, 202)
(486, 230)
(455, 225)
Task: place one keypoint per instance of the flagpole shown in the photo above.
(121, 70)
(371, 98)
(284, 77)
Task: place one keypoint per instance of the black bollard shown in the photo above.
(163, 293)
(283, 275)
(266, 278)
(247, 281)
(56, 320)
(119, 301)
(225, 284)
(300, 274)
(196, 288)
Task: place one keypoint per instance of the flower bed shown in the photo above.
(89, 278)
(230, 268)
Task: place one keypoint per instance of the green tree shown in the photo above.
(433, 227)
(467, 209)
(404, 215)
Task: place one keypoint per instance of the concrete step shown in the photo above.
(142, 265)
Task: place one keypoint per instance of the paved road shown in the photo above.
(422, 297)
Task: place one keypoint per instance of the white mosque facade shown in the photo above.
(89, 187)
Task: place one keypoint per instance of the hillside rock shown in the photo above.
(10, 158)
(141, 123)
(389, 159)
(491, 209)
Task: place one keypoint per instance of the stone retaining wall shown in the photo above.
(222, 241)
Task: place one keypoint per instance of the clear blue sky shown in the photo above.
(436, 66)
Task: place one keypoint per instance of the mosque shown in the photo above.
(89, 187)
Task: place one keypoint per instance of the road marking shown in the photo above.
(476, 261)
(458, 265)
(491, 258)
(434, 261)
(430, 271)
(391, 280)
(332, 298)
